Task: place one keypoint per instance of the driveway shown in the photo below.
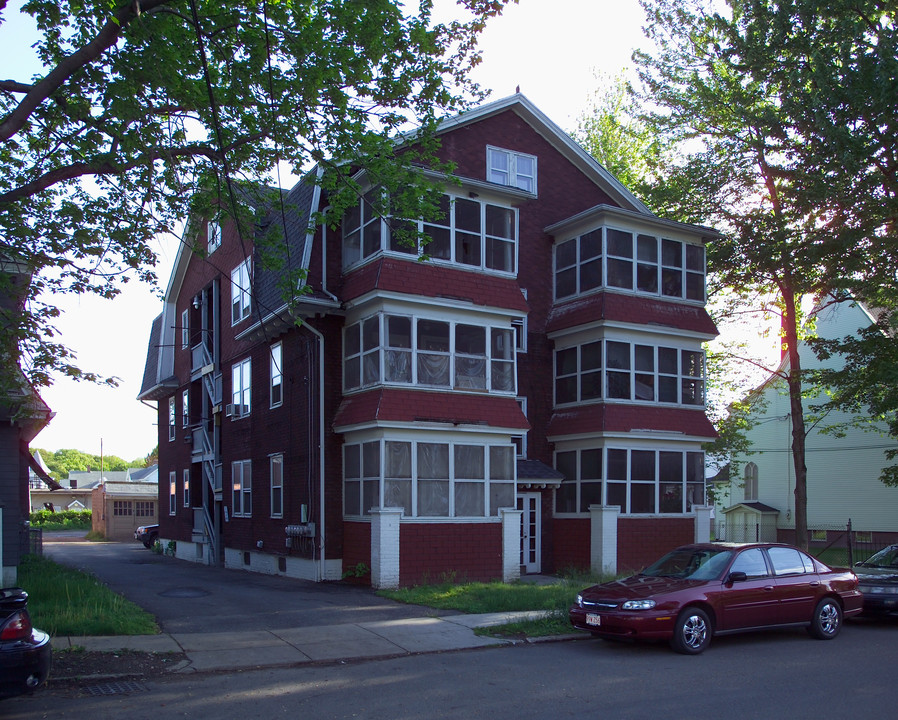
(188, 597)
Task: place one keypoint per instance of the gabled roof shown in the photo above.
(757, 507)
(576, 155)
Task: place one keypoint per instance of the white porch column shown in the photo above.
(511, 543)
(603, 538)
(702, 522)
(385, 547)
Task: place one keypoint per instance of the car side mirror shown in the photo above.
(737, 576)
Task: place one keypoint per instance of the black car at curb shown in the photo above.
(878, 576)
(25, 652)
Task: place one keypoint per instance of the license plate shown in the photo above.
(592, 619)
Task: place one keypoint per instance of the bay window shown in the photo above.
(464, 231)
(634, 372)
(421, 351)
(638, 480)
(428, 479)
(625, 260)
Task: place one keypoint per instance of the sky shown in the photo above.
(552, 49)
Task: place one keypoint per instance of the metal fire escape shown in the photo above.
(206, 368)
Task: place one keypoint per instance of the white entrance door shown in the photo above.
(530, 532)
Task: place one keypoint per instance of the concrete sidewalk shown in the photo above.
(291, 646)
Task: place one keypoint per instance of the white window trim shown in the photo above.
(185, 408)
(522, 403)
(415, 441)
(656, 373)
(241, 389)
(185, 481)
(634, 261)
(452, 261)
(213, 234)
(276, 459)
(453, 354)
(171, 419)
(512, 158)
(276, 374)
(185, 329)
(241, 292)
(242, 489)
(657, 482)
(172, 492)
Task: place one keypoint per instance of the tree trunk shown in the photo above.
(794, 382)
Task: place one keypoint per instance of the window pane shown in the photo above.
(501, 496)
(499, 255)
(642, 498)
(667, 361)
(565, 254)
(469, 499)
(643, 465)
(501, 463)
(467, 248)
(695, 258)
(566, 283)
(672, 283)
(647, 248)
(469, 462)
(371, 459)
(620, 273)
(617, 495)
(671, 253)
(786, 561)
(620, 243)
(399, 332)
(467, 215)
(617, 464)
(352, 465)
(500, 222)
(591, 356)
(433, 498)
(470, 339)
(433, 335)
(566, 390)
(591, 245)
(440, 245)
(590, 275)
(618, 355)
(671, 497)
(566, 361)
(566, 495)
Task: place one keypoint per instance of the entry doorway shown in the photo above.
(531, 523)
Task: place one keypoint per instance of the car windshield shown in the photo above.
(691, 564)
(885, 558)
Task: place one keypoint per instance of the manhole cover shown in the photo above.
(115, 688)
(187, 592)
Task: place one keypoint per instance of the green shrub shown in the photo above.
(61, 520)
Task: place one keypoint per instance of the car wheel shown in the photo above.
(692, 632)
(827, 620)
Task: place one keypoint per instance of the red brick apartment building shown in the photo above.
(529, 399)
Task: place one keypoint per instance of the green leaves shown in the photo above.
(140, 102)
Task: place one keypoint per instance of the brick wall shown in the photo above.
(641, 541)
(570, 539)
(465, 552)
(357, 542)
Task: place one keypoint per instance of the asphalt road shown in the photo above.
(188, 597)
(771, 675)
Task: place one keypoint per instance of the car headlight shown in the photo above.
(579, 601)
(638, 605)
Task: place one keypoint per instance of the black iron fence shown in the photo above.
(840, 545)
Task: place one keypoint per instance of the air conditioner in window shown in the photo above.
(229, 410)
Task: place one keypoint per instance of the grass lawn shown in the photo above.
(63, 601)
(554, 598)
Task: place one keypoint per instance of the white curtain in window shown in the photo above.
(470, 373)
(398, 365)
(433, 369)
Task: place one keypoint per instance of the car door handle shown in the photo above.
(815, 583)
(768, 588)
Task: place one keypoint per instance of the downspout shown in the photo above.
(321, 559)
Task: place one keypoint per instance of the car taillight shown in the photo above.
(17, 626)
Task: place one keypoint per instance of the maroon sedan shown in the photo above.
(697, 591)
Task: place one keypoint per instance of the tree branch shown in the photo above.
(106, 167)
(107, 36)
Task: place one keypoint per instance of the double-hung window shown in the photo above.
(513, 169)
(241, 294)
(185, 329)
(213, 234)
(185, 481)
(172, 492)
(277, 376)
(241, 387)
(276, 463)
(185, 408)
(241, 488)
(171, 418)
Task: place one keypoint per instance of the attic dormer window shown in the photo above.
(510, 168)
